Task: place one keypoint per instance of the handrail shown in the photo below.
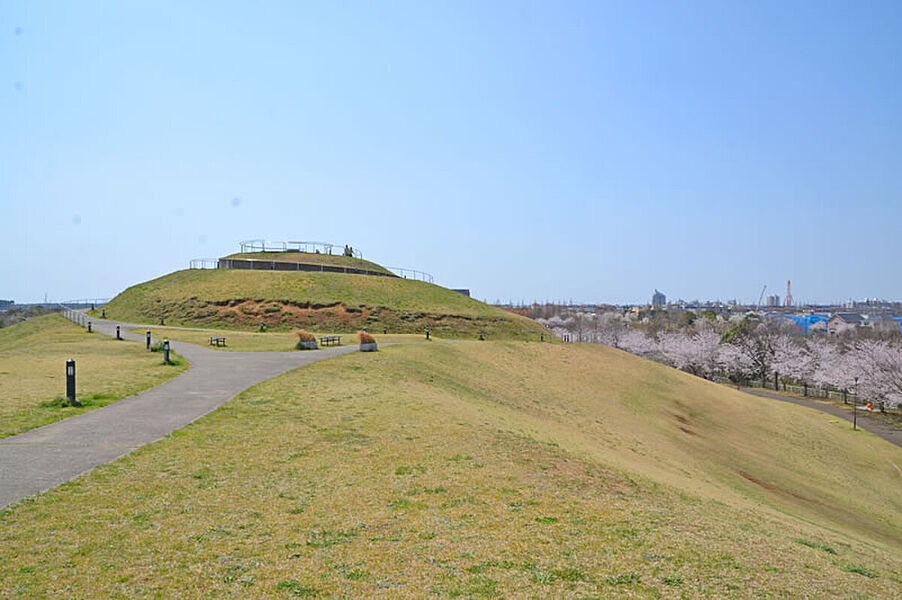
(279, 265)
(412, 274)
(299, 246)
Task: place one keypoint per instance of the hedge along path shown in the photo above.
(43, 458)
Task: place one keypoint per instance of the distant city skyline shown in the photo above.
(590, 150)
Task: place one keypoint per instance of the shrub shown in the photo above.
(305, 336)
(365, 338)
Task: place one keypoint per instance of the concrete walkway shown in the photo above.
(43, 458)
(868, 422)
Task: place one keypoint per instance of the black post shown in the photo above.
(427, 332)
(161, 319)
(89, 327)
(166, 351)
(118, 336)
(776, 381)
(103, 313)
(70, 382)
(148, 339)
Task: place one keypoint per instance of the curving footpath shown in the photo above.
(43, 458)
(866, 421)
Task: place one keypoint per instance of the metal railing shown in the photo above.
(287, 246)
(84, 303)
(809, 391)
(277, 265)
(76, 316)
(412, 274)
(204, 263)
(256, 264)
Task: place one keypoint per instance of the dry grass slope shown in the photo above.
(479, 471)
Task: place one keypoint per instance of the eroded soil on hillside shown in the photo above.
(248, 313)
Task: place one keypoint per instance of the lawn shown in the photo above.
(476, 470)
(32, 371)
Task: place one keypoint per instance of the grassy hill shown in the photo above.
(32, 371)
(320, 301)
(311, 258)
(478, 470)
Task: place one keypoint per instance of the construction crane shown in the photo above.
(760, 296)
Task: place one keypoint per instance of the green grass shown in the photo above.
(407, 464)
(32, 371)
(313, 259)
(236, 299)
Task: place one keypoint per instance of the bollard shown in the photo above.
(148, 339)
(542, 337)
(118, 336)
(103, 313)
(427, 332)
(384, 329)
(70, 382)
(161, 319)
(89, 327)
(166, 351)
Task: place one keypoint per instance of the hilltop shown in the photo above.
(235, 298)
(312, 258)
(478, 470)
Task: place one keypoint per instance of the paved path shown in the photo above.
(866, 421)
(43, 458)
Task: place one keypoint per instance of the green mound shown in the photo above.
(242, 299)
(312, 258)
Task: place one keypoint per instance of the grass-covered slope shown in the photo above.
(477, 471)
(311, 258)
(32, 371)
(320, 301)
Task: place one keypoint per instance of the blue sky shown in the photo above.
(529, 150)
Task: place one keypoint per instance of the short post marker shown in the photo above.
(118, 336)
(70, 382)
(166, 352)
(89, 327)
(148, 339)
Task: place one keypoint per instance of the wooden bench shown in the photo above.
(216, 340)
(330, 339)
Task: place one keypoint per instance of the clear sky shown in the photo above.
(527, 150)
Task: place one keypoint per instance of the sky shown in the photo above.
(584, 151)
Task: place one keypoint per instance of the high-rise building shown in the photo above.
(658, 299)
(772, 301)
